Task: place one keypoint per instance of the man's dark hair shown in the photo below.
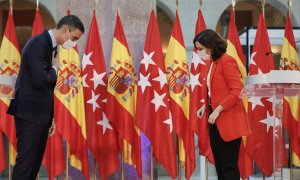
(72, 21)
(212, 40)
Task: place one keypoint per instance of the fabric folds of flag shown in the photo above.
(53, 160)
(178, 80)
(234, 49)
(122, 88)
(9, 65)
(259, 144)
(69, 109)
(153, 106)
(101, 136)
(198, 95)
(291, 106)
(2, 154)
(38, 25)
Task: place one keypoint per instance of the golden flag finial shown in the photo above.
(200, 3)
(37, 5)
(263, 3)
(11, 6)
(233, 3)
(177, 2)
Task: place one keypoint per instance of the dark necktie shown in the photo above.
(55, 51)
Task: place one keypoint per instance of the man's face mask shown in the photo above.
(203, 55)
(69, 43)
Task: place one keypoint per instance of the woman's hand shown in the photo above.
(215, 114)
(52, 129)
(201, 111)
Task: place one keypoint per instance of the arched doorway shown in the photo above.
(247, 15)
(165, 25)
(23, 14)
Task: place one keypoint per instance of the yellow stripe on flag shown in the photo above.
(289, 53)
(121, 63)
(72, 92)
(12, 155)
(231, 50)
(295, 159)
(178, 54)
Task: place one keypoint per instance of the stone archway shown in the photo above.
(23, 14)
(247, 15)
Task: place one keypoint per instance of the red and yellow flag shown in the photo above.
(121, 96)
(261, 118)
(2, 154)
(291, 106)
(9, 65)
(53, 160)
(234, 49)
(69, 112)
(178, 78)
(153, 106)
(101, 136)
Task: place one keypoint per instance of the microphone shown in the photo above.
(282, 60)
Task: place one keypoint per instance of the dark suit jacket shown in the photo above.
(34, 89)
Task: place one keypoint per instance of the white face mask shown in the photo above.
(203, 55)
(69, 44)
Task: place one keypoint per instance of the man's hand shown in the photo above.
(55, 61)
(52, 129)
(201, 111)
(215, 114)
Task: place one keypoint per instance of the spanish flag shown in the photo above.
(291, 106)
(121, 98)
(69, 112)
(9, 65)
(234, 49)
(178, 78)
(53, 160)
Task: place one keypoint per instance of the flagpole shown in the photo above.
(67, 161)
(206, 168)
(122, 164)
(179, 167)
(9, 159)
(95, 169)
(37, 5)
(263, 2)
(291, 162)
(151, 163)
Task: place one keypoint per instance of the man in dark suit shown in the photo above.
(34, 94)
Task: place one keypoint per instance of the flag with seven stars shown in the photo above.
(101, 136)
(153, 105)
(261, 118)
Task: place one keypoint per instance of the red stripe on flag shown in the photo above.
(2, 154)
(121, 120)
(10, 32)
(119, 33)
(69, 128)
(177, 32)
(7, 124)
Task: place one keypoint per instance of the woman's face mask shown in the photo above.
(203, 55)
(202, 51)
(69, 43)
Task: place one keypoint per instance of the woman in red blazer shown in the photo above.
(227, 119)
